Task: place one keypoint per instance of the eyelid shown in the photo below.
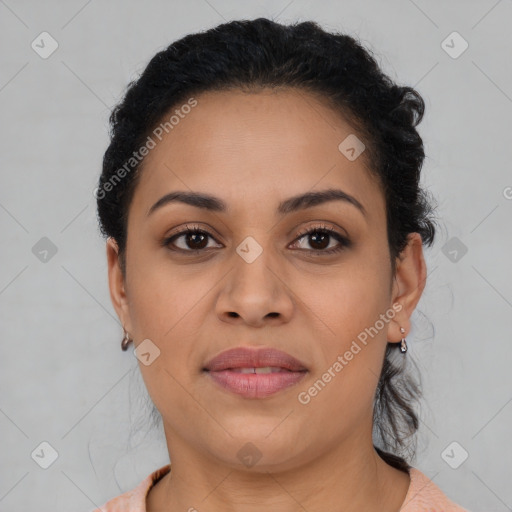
(323, 226)
(194, 226)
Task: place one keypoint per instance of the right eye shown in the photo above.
(194, 240)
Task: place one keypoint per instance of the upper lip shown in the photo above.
(245, 357)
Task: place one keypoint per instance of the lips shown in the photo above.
(252, 358)
(255, 373)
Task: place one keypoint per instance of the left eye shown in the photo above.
(319, 238)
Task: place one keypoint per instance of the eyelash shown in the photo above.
(345, 242)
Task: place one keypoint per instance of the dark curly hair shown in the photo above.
(253, 54)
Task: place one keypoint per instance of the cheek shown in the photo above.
(347, 302)
(349, 362)
(352, 306)
(168, 307)
(163, 296)
(165, 312)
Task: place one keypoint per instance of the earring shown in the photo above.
(403, 343)
(125, 341)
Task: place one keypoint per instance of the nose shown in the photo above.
(255, 293)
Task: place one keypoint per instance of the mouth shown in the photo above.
(255, 373)
(254, 358)
(263, 369)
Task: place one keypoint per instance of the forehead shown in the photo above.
(252, 148)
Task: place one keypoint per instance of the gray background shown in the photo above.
(63, 376)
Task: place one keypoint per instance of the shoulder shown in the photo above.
(134, 500)
(425, 496)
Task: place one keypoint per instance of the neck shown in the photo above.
(346, 478)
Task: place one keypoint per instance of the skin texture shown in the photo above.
(254, 151)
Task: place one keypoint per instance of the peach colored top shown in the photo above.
(423, 495)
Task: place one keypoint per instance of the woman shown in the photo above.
(265, 227)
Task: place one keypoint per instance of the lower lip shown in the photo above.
(256, 385)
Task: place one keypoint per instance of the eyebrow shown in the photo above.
(293, 204)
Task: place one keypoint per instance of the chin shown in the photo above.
(257, 451)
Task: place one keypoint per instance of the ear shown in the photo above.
(408, 285)
(117, 285)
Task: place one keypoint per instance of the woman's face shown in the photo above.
(253, 279)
